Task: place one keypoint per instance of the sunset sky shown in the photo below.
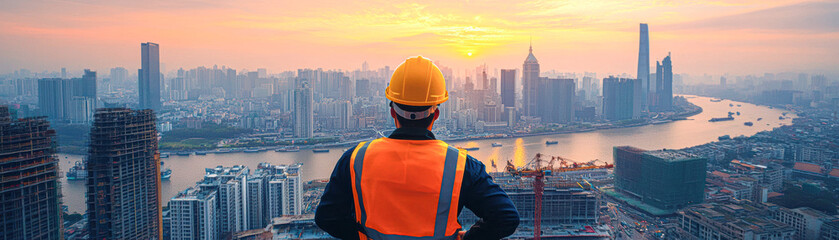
(713, 36)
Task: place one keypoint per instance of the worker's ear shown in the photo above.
(436, 115)
(393, 115)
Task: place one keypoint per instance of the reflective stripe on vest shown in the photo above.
(391, 152)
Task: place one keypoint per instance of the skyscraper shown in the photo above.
(29, 188)
(303, 111)
(664, 85)
(123, 184)
(149, 76)
(556, 103)
(618, 98)
(643, 86)
(530, 82)
(508, 87)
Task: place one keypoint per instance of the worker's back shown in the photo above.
(407, 187)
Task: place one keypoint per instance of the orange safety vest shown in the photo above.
(407, 189)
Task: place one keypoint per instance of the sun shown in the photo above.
(469, 53)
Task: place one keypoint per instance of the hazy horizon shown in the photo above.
(704, 37)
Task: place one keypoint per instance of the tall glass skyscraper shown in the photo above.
(123, 184)
(29, 188)
(530, 81)
(664, 85)
(149, 76)
(643, 86)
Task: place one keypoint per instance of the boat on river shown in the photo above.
(320, 150)
(496, 145)
(748, 124)
(549, 142)
(729, 118)
(288, 149)
(77, 171)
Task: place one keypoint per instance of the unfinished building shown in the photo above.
(29, 188)
(123, 186)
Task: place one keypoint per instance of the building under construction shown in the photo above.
(123, 184)
(563, 201)
(29, 188)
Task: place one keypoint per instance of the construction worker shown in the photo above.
(410, 185)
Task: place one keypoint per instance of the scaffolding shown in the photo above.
(123, 184)
(29, 189)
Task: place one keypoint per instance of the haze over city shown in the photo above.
(708, 37)
(257, 120)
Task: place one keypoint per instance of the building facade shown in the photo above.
(643, 86)
(530, 85)
(30, 207)
(149, 76)
(556, 103)
(665, 179)
(508, 87)
(303, 111)
(123, 184)
(618, 98)
(662, 100)
(194, 215)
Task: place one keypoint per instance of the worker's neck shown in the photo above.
(412, 133)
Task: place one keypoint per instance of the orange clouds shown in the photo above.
(598, 35)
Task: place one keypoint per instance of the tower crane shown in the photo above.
(537, 169)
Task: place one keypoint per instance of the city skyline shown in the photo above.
(710, 37)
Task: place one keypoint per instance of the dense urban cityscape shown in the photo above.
(111, 154)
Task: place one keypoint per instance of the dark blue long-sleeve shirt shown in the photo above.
(499, 218)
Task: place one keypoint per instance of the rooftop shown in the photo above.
(671, 155)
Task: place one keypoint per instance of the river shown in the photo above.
(584, 146)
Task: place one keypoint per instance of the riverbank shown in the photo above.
(691, 110)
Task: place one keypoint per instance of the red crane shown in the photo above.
(535, 170)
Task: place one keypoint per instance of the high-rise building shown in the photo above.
(643, 69)
(618, 98)
(556, 104)
(68, 99)
(123, 184)
(119, 75)
(54, 96)
(255, 199)
(149, 76)
(86, 86)
(29, 188)
(194, 215)
(664, 86)
(362, 88)
(530, 82)
(303, 111)
(508, 87)
(230, 185)
(665, 179)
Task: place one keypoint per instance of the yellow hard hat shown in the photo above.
(417, 82)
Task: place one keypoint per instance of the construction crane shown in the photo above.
(538, 171)
(535, 170)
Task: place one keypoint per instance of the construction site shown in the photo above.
(29, 189)
(123, 186)
(554, 197)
